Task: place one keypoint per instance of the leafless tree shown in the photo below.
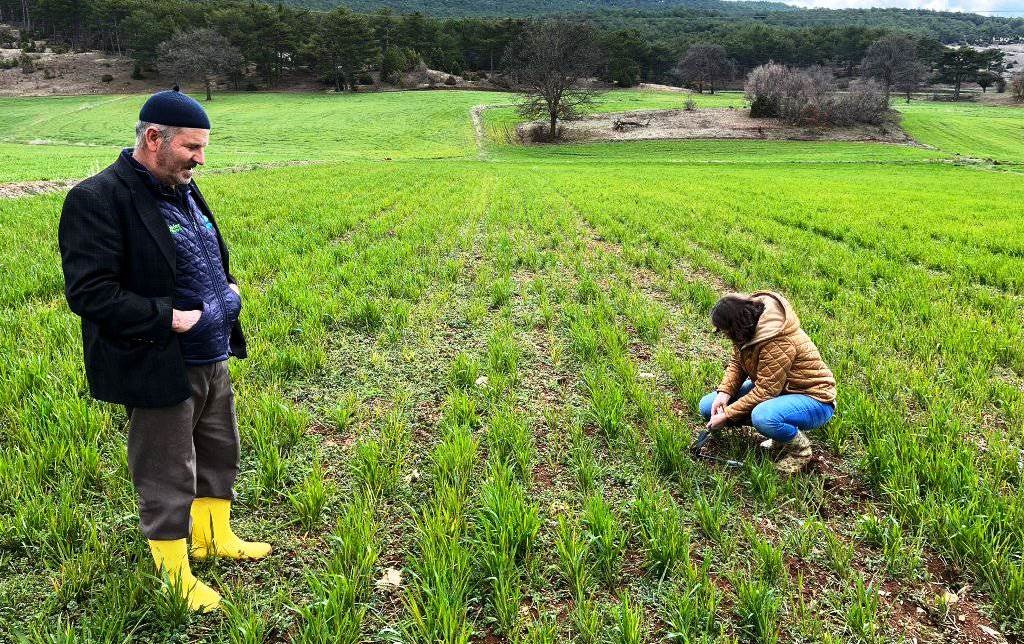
(892, 61)
(705, 64)
(552, 64)
(198, 55)
(1017, 87)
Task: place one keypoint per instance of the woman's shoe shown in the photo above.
(796, 454)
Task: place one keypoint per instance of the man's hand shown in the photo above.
(717, 420)
(182, 321)
(234, 287)
(720, 403)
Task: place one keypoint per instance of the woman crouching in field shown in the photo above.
(775, 380)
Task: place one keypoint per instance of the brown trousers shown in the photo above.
(188, 450)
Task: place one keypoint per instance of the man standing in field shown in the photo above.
(147, 271)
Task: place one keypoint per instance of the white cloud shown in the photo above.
(986, 7)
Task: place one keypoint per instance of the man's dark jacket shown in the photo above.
(119, 276)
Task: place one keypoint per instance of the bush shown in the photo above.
(365, 79)
(137, 72)
(690, 105)
(764, 89)
(809, 97)
(7, 38)
(106, 78)
(864, 102)
(451, 80)
(762, 107)
(537, 133)
(27, 64)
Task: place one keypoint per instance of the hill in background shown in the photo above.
(521, 8)
(670, 18)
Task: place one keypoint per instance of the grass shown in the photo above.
(977, 131)
(483, 373)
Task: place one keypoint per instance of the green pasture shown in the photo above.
(553, 498)
(978, 131)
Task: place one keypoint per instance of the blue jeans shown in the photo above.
(779, 418)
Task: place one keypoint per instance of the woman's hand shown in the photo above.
(720, 403)
(717, 420)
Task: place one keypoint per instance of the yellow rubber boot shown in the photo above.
(171, 557)
(212, 535)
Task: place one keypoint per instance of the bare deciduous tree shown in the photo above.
(705, 64)
(1017, 87)
(552, 64)
(892, 61)
(198, 55)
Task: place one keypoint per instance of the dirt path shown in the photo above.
(476, 115)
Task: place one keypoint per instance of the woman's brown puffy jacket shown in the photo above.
(779, 359)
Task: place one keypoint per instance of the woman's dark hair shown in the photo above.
(736, 316)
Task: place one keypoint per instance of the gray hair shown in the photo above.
(167, 132)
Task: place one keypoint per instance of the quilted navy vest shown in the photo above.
(200, 282)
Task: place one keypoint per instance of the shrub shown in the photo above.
(7, 37)
(27, 64)
(864, 102)
(106, 78)
(690, 105)
(450, 80)
(809, 97)
(764, 89)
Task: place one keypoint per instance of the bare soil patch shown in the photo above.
(26, 188)
(713, 123)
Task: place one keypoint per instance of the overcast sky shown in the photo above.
(980, 6)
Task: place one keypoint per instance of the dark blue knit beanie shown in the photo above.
(175, 109)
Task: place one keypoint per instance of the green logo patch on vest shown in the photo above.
(175, 229)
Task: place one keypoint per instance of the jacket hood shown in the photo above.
(778, 318)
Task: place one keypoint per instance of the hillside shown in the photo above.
(457, 8)
(674, 17)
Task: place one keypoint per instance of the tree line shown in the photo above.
(343, 46)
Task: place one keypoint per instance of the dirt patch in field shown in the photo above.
(27, 188)
(712, 123)
(72, 73)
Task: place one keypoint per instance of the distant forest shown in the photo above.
(266, 42)
(667, 19)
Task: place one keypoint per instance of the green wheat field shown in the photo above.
(474, 374)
